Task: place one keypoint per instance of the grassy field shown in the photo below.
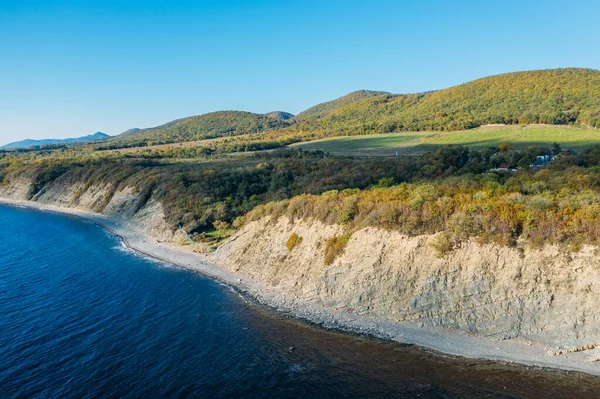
(376, 144)
(519, 137)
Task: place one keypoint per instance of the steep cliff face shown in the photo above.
(543, 295)
(16, 190)
(127, 204)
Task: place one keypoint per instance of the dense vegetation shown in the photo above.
(559, 205)
(280, 115)
(432, 196)
(216, 124)
(324, 109)
(198, 194)
(559, 96)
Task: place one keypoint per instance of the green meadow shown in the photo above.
(416, 143)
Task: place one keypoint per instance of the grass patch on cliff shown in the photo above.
(442, 245)
(334, 247)
(214, 237)
(293, 241)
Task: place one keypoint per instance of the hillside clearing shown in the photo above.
(417, 143)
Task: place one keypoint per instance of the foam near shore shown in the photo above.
(440, 339)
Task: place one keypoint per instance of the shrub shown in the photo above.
(293, 241)
(335, 246)
(221, 225)
(238, 222)
(296, 207)
(349, 210)
(385, 182)
(442, 245)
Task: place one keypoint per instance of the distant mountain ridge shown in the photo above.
(30, 142)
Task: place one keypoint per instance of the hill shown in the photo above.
(558, 96)
(324, 109)
(284, 116)
(568, 96)
(211, 125)
(29, 143)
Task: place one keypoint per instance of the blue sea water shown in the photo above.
(83, 317)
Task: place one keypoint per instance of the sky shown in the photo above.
(71, 68)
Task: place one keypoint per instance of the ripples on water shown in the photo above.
(82, 317)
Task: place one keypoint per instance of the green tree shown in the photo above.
(556, 149)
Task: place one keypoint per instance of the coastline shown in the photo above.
(441, 340)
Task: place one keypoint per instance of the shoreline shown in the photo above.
(444, 341)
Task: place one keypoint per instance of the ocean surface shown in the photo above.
(83, 317)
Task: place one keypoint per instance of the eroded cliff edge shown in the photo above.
(126, 204)
(542, 295)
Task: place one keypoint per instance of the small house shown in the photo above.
(540, 161)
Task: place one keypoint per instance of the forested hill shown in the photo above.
(211, 125)
(324, 109)
(558, 96)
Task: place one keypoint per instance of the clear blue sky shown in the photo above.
(72, 68)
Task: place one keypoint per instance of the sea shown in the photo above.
(82, 316)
